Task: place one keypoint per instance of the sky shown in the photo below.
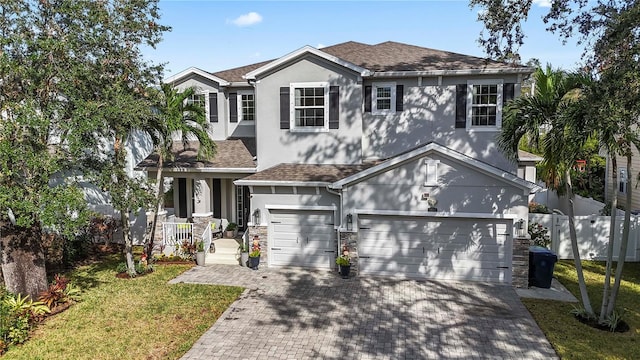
(219, 35)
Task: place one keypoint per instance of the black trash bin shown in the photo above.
(541, 264)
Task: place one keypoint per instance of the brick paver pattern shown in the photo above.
(310, 314)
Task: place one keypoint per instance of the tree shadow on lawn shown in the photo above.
(404, 318)
(88, 276)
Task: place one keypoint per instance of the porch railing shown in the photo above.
(174, 234)
(206, 237)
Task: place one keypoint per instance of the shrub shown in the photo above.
(539, 234)
(343, 260)
(58, 292)
(17, 314)
(536, 208)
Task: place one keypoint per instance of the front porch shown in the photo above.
(200, 193)
(220, 247)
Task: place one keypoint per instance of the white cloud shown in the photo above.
(248, 19)
(320, 46)
(542, 3)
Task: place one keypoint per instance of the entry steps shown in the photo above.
(225, 252)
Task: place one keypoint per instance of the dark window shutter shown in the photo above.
(213, 107)
(399, 97)
(334, 107)
(217, 198)
(461, 106)
(182, 197)
(367, 98)
(284, 107)
(508, 91)
(233, 107)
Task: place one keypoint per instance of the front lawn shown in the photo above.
(574, 340)
(141, 318)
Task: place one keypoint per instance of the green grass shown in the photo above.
(574, 340)
(141, 318)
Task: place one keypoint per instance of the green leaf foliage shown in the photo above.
(73, 84)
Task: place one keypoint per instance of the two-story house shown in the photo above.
(387, 149)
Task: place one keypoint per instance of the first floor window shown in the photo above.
(309, 105)
(485, 104)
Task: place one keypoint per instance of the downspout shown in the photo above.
(339, 193)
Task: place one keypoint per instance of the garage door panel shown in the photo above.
(295, 228)
(302, 260)
(382, 267)
(302, 238)
(302, 219)
(466, 255)
(443, 248)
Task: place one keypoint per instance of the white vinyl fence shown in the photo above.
(593, 236)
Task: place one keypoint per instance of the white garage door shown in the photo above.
(437, 248)
(302, 238)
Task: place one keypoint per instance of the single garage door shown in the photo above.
(436, 248)
(302, 238)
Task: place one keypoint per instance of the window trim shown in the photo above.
(205, 102)
(433, 164)
(374, 98)
(239, 105)
(292, 107)
(499, 104)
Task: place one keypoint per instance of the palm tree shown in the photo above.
(180, 119)
(548, 120)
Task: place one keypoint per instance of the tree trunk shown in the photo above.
(612, 232)
(622, 256)
(159, 193)
(586, 303)
(23, 262)
(128, 244)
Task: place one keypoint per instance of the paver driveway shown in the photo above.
(300, 314)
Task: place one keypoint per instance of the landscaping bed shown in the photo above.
(141, 318)
(573, 339)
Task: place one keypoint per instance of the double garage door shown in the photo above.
(302, 238)
(436, 248)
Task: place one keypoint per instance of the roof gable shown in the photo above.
(303, 51)
(194, 70)
(422, 151)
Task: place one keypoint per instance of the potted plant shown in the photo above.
(254, 255)
(344, 265)
(244, 253)
(200, 253)
(230, 231)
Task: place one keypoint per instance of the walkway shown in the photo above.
(299, 314)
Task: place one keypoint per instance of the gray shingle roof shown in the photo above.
(230, 154)
(389, 56)
(307, 172)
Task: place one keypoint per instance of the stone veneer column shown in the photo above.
(158, 236)
(261, 231)
(199, 224)
(350, 239)
(520, 262)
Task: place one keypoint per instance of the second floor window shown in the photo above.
(384, 98)
(196, 99)
(484, 104)
(247, 107)
(309, 110)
